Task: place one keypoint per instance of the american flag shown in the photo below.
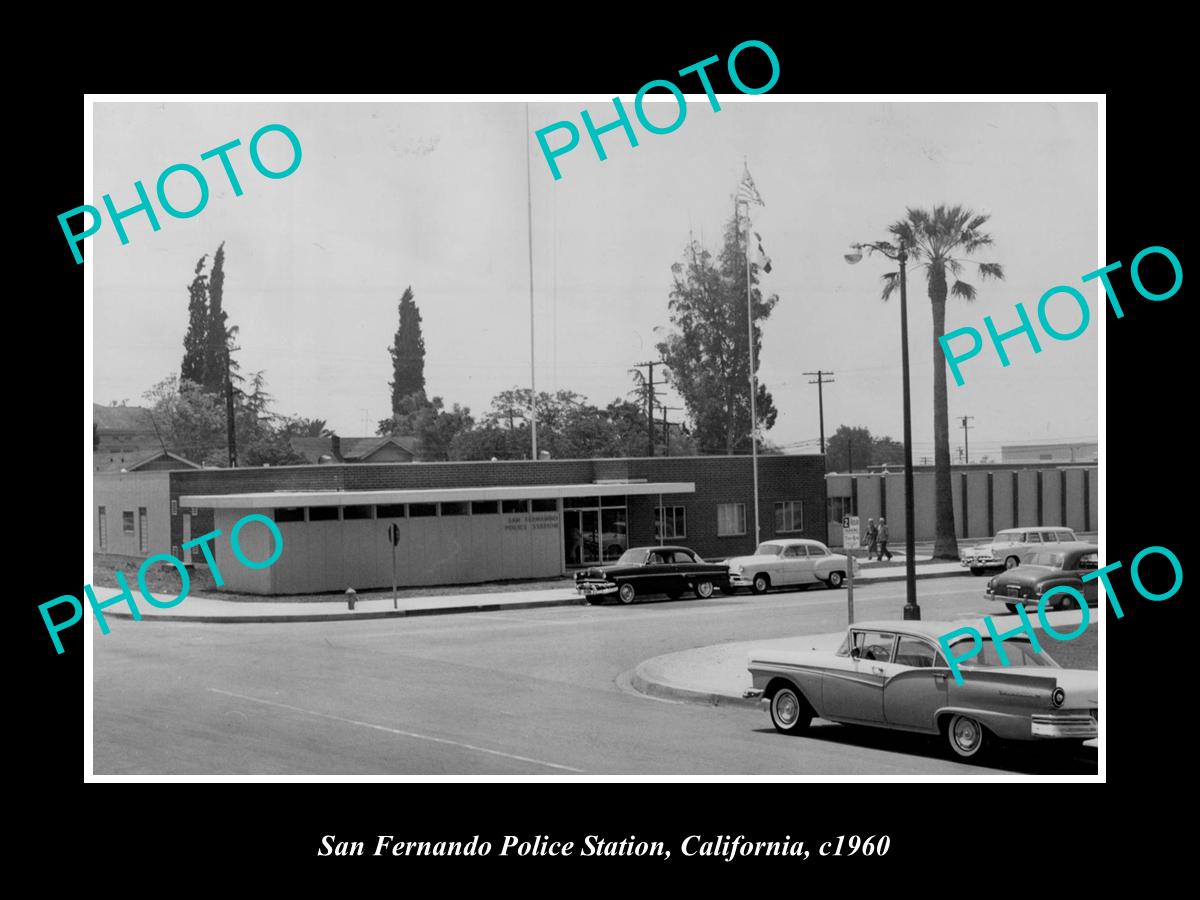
(747, 192)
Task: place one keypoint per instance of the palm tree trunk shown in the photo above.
(945, 545)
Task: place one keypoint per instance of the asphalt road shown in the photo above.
(524, 692)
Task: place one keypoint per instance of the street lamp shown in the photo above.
(912, 609)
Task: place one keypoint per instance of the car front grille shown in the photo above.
(1013, 590)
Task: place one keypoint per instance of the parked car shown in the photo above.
(1009, 547)
(795, 561)
(893, 675)
(1062, 564)
(653, 570)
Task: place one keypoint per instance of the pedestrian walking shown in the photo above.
(872, 538)
(883, 539)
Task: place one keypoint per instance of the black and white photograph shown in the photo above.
(674, 436)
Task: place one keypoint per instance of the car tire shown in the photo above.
(762, 583)
(704, 589)
(835, 579)
(1066, 601)
(790, 712)
(626, 593)
(1012, 562)
(967, 737)
(1012, 607)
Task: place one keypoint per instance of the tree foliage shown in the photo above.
(853, 448)
(408, 353)
(708, 348)
(196, 339)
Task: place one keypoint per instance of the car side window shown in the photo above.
(655, 559)
(915, 653)
(874, 645)
(1034, 538)
(1088, 561)
(793, 552)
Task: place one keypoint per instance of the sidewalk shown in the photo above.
(200, 608)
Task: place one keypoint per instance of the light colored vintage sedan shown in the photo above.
(1012, 546)
(789, 562)
(893, 675)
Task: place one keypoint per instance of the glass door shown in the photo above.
(581, 534)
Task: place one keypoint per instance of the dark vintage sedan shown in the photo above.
(1065, 564)
(640, 571)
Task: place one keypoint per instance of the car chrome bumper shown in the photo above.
(1006, 598)
(1069, 726)
(592, 589)
(752, 694)
(740, 581)
(978, 562)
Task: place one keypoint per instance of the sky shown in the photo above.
(433, 195)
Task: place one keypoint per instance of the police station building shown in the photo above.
(458, 522)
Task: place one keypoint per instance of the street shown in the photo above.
(521, 692)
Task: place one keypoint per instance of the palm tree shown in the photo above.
(939, 241)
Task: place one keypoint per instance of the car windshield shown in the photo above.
(1019, 652)
(1007, 537)
(632, 558)
(768, 550)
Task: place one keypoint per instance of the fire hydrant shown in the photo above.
(351, 596)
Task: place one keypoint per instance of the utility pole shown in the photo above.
(821, 399)
(966, 440)
(648, 387)
(229, 421)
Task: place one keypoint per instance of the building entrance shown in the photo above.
(594, 529)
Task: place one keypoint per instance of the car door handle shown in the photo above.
(940, 676)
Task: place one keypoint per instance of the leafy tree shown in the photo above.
(408, 353)
(886, 451)
(849, 446)
(190, 420)
(939, 241)
(196, 338)
(708, 349)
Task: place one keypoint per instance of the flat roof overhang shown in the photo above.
(272, 499)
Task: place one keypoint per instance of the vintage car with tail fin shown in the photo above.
(893, 675)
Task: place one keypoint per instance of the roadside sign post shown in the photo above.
(394, 539)
(850, 542)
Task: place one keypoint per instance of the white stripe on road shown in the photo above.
(410, 734)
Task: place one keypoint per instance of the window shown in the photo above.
(127, 521)
(660, 558)
(389, 511)
(1065, 536)
(1034, 537)
(545, 505)
(421, 510)
(1086, 561)
(1018, 650)
(768, 549)
(614, 500)
(174, 507)
(104, 528)
(484, 507)
(456, 509)
(143, 531)
(289, 514)
(322, 513)
(874, 645)
(789, 516)
(581, 502)
(358, 512)
(794, 552)
(731, 519)
(912, 652)
(514, 506)
(670, 522)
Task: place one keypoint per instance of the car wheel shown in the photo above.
(761, 583)
(966, 736)
(1012, 607)
(1066, 601)
(835, 579)
(704, 589)
(1012, 562)
(626, 593)
(790, 712)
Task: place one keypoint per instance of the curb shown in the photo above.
(880, 579)
(644, 684)
(354, 616)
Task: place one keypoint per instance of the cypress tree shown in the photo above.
(408, 353)
(194, 342)
(216, 334)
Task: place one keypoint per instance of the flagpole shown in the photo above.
(532, 373)
(753, 386)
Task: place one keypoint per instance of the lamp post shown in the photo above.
(912, 609)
